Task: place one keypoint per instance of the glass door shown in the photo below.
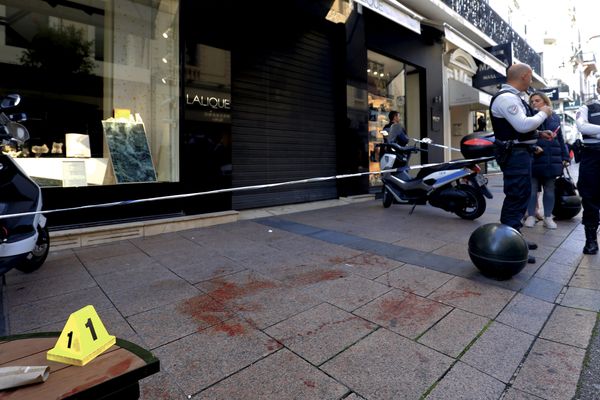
(386, 93)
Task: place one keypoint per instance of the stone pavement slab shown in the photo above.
(465, 382)
(200, 360)
(26, 317)
(570, 326)
(415, 279)
(404, 313)
(587, 278)
(542, 289)
(454, 332)
(385, 365)
(526, 313)
(368, 265)
(138, 299)
(348, 293)
(551, 370)
(320, 333)
(587, 299)
(499, 351)
(118, 263)
(282, 375)
(173, 321)
(479, 298)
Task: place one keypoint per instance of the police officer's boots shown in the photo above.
(591, 241)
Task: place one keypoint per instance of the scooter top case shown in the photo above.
(476, 145)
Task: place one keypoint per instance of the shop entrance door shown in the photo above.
(387, 91)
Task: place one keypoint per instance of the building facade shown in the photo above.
(135, 100)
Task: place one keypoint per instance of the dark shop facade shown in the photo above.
(135, 99)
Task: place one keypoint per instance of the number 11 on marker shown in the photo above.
(89, 325)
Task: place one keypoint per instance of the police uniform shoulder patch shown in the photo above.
(513, 109)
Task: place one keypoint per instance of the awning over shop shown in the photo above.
(461, 41)
(462, 95)
(395, 12)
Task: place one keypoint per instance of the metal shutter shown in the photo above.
(283, 125)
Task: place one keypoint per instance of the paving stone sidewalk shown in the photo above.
(347, 302)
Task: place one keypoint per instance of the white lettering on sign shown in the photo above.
(395, 12)
(374, 4)
(208, 101)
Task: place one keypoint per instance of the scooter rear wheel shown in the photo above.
(475, 205)
(38, 255)
(388, 199)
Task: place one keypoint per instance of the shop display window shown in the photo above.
(386, 92)
(99, 82)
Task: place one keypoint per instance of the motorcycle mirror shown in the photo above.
(12, 100)
(17, 132)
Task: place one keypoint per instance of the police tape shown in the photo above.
(429, 143)
(226, 190)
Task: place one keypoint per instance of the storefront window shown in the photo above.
(386, 92)
(100, 85)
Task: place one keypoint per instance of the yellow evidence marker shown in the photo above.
(82, 339)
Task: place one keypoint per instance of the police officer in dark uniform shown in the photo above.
(515, 128)
(588, 123)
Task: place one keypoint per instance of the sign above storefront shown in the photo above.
(486, 76)
(396, 12)
(552, 93)
(493, 59)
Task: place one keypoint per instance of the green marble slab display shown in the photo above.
(129, 152)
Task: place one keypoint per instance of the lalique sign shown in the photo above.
(217, 103)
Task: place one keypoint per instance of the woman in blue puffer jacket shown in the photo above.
(547, 164)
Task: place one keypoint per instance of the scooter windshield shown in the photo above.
(14, 130)
(17, 131)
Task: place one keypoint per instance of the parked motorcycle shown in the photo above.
(24, 240)
(455, 186)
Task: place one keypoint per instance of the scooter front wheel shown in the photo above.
(388, 199)
(38, 255)
(474, 205)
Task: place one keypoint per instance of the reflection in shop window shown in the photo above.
(100, 84)
(386, 92)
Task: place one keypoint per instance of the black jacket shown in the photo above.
(549, 163)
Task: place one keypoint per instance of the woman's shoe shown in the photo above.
(549, 223)
(530, 222)
(539, 216)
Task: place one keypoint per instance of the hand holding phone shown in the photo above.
(546, 134)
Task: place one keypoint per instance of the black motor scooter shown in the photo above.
(24, 240)
(455, 186)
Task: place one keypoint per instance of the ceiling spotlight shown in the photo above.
(166, 33)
